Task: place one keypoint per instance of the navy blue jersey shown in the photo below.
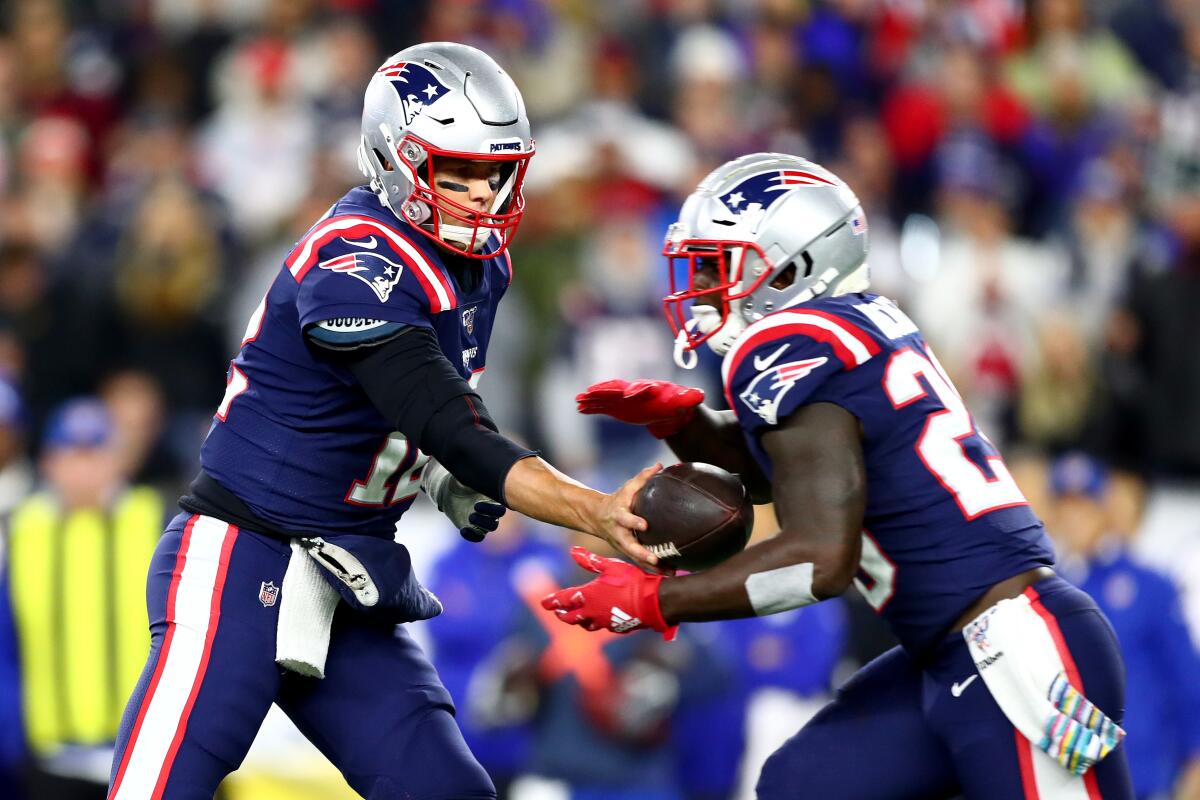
(295, 437)
(944, 518)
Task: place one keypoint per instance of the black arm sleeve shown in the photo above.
(415, 387)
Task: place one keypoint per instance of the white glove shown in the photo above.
(474, 514)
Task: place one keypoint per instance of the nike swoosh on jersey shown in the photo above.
(370, 243)
(762, 363)
(958, 688)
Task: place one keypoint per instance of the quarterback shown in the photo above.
(353, 390)
(1008, 682)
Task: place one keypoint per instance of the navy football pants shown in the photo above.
(896, 731)
(380, 714)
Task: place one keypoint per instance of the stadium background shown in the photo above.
(1030, 170)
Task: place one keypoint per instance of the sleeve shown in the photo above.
(418, 390)
(356, 270)
(780, 363)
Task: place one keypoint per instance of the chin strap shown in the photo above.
(707, 319)
(461, 235)
(685, 356)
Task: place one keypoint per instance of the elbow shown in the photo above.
(831, 583)
(834, 564)
(834, 572)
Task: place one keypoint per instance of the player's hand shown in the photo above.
(665, 408)
(622, 599)
(475, 515)
(484, 519)
(618, 525)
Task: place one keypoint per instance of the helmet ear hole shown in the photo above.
(788, 276)
(383, 161)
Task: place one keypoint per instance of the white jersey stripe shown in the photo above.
(193, 606)
(436, 282)
(848, 340)
(1052, 781)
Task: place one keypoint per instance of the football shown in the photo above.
(698, 515)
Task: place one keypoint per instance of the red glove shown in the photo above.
(621, 600)
(665, 408)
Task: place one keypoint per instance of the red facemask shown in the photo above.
(709, 260)
(479, 225)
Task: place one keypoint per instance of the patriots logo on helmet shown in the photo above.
(380, 273)
(417, 86)
(767, 390)
(753, 196)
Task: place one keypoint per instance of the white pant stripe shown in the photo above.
(180, 673)
(1054, 782)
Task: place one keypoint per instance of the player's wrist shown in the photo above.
(650, 603)
(665, 600)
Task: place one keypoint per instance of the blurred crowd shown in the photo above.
(1030, 170)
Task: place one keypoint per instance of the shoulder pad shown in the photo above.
(366, 248)
(772, 359)
(803, 331)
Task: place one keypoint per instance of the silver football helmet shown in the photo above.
(445, 100)
(763, 232)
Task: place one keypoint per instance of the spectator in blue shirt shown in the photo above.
(1162, 663)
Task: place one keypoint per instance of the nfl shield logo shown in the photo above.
(268, 593)
(468, 318)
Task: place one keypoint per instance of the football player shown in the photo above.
(353, 389)
(1008, 682)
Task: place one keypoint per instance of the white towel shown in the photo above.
(305, 616)
(1017, 658)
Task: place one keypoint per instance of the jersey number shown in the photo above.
(395, 475)
(940, 445)
(877, 583)
(941, 451)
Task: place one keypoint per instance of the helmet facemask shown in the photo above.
(728, 272)
(454, 225)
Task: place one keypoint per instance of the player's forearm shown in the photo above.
(787, 571)
(536, 489)
(820, 497)
(714, 437)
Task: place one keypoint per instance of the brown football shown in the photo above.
(698, 515)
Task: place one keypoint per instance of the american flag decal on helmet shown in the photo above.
(416, 85)
(858, 223)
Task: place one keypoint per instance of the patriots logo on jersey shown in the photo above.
(417, 86)
(750, 199)
(767, 390)
(380, 273)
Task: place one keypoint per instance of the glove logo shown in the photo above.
(622, 622)
(268, 593)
